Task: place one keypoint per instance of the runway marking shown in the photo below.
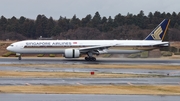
(129, 83)
(79, 83)
(28, 84)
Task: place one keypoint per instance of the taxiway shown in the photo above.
(84, 97)
(90, 81)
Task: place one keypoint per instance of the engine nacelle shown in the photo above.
(71, 53)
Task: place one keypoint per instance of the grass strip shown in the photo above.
(94, 89)
(71, 74)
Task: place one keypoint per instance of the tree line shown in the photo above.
(90, 27)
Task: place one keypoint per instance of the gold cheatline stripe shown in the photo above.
(166, 30)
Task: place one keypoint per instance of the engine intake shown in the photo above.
(71, 53)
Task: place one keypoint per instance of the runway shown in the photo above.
(37, 60)
(84, 97)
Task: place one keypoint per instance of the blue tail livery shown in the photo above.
(159, 32)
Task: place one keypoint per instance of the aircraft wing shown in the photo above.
(99, 47)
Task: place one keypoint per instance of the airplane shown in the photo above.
(77, 48)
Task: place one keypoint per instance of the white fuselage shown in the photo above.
(59, 46)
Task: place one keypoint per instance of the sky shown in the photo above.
(81, 8)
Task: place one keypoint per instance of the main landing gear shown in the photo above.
(90, 57)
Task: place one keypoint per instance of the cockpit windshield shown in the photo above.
(11, 45)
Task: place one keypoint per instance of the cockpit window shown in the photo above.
(11, 45)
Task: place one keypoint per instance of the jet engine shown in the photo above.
(71, 53)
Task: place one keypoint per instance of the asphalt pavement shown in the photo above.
(84, 97)
(37, 60)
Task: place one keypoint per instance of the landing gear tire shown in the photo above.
(86, 58)
(93, 59)
(90, 58)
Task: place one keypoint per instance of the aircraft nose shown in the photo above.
(7, 48)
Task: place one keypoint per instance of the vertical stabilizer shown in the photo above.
(159, 32)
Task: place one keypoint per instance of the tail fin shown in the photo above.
(159, 32)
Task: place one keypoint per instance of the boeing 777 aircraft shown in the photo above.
(76, 48)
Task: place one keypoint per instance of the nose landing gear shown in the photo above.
(19, 56)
